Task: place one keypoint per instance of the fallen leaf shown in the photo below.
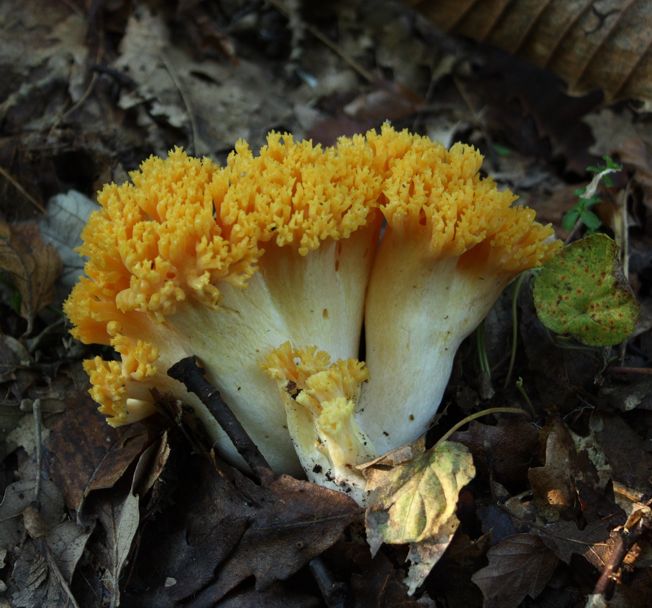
(518, 566)
(170, 86)
(119, 515)
(380, 585)
(61, 227)
(31, 583)
(276, 596)
(554, 483)
(86, 454)
(32, 265)
(296, 521)
(231, 529)
(582, 292)
(18, 496)
(67, 542)
(45, 566)
(414, 503)
(36, 64)
(622, 134)
(565, 539)
(626, 451)
(504, 451)
(587, 48)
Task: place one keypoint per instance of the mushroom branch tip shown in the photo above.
(266, 269)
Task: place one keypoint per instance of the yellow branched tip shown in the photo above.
(438, 196)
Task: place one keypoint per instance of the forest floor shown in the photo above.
(558, 513)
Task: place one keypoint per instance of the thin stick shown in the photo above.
(22, 190)
(191, 375)
(512, 357)
(642, 371)
(173, 76)
(480, 414)
(335, 593)
(352, 63)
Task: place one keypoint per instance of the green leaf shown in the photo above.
(590, 220)
(502, 151)
(582, 292)
(414, 503)
(569, 219)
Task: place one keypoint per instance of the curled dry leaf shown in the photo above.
(518, 566)
(414, 503)
(588, 47)
(32, 265)
(85, 454)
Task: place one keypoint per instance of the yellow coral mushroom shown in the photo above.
(227, 264)
(320, 399)
(453, 241)
(264, 269)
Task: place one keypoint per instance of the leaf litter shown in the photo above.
(538, 511)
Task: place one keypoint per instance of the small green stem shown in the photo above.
(480, 414)
(521, 389)
(512, 357)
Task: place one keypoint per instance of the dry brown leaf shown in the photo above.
(230, 529)
(32, 265)
(518, 566)
(590, 45)
(86, 454)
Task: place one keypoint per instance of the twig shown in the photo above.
(191, 375)
(642, 371)
(22, 190)
(173, 76)
(489, 411)
(352, 63)
(638, 522)
(335, 593)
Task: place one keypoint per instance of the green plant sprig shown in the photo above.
(580, 212)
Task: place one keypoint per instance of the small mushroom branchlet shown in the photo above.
(267, 268)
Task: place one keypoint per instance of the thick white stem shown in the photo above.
(418, 312)
(321, 295)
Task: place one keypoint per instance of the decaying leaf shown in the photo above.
(18, 497)
(503, 451)
(554, 483)
(380, 586)
(170, 86)
(44, 568)
(86, 454)
(32, 265)
(626, 451)
(62, 225)
(518, 566)
(232, 529)
(295, 521)
(604, 47)
(119, 516)
(414, 503)
(582, 292)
